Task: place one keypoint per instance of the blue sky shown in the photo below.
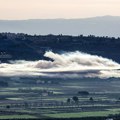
(37, 9)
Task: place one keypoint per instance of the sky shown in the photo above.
(45, 9)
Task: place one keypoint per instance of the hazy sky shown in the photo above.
(36, 9)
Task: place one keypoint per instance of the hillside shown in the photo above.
(28, 47)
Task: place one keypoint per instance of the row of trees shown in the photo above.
(76, 99)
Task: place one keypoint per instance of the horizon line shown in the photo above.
(58, 18)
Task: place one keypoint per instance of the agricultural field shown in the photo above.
(48, 98)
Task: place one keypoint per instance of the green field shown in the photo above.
(50, 100)
(82, 114)
(16, 117)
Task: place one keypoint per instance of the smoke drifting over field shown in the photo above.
(68, 65)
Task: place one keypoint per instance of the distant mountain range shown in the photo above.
(98, 26)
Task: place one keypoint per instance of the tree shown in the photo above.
(75, 99)
(91, 99)
(68, 100)
(8, 106)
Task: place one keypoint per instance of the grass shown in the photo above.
(11, 89)
(16, 117)
(114, 109)
(57, 99)
(15, 99)
(44, 87)
(81, 114)
(8, 93)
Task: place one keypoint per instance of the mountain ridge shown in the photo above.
(98, 26)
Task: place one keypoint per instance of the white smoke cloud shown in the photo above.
(69, 64)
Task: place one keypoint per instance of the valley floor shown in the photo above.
(38, 98)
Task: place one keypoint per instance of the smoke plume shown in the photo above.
(68, 65)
